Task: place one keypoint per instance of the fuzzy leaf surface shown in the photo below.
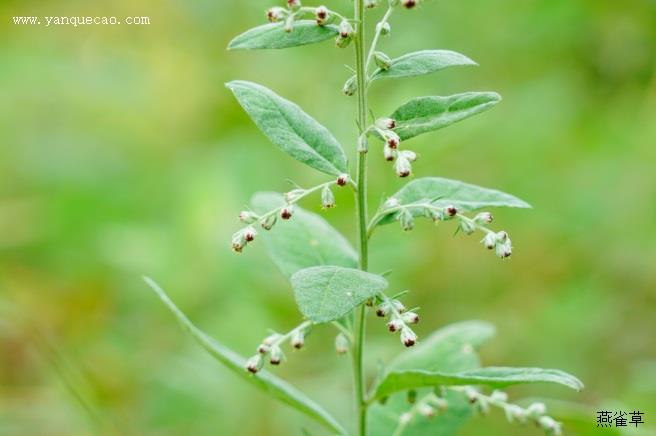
(327, 293)
(440, 192)
(304, 241)
(264, 380)
(450, 349)
(290, 128)
(273, 36)
(495, 377)
(427, 114)
(422, 62)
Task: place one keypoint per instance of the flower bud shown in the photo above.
(550, 425)
(370, 4)
(363, 144)
(294, 4)
(515, 413)
(327, 198)
(536, 410)
(483, 405)
(467, 227)
(410, 318)
(502, 236)
(351, 86)
(238, 241)
(381, 310)
(383, 62)
(345, 29)
(406, 220)
(385, 123)
(298, 339)
(276, 355)
(402, 166)
(410, 155)
(248, 217)
(289, 24)
(408, 337)
(341, 344)
(384, 28)
(450, 211)
(293, 195)
(409, 4)
(255, 363)
(398, 306)
(263, 349)
(343, 179)
(483, 218)
(426, 410)
(471, 394)
(287, 212)
(490, 241)
(500, 396)
(389, 153)
(269, 222)
(276, 14)
(395, 325)
(249, 233)
(392, 139)
(504, 249)
(322, 15)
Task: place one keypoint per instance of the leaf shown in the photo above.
(271, 384)
(304, 241)
(273, 36)
(449, 349)
(327, 293)
(426, 114)
(441, 192)
(496, 377)
(291, 129)
(422, 62)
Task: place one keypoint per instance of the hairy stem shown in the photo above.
(361, 204)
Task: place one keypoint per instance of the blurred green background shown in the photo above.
(122, 154)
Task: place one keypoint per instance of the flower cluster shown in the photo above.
(266, 221)
(271, 347)
(399, 319)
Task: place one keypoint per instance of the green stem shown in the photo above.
(361, 202)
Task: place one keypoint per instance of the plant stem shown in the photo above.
(361, 204)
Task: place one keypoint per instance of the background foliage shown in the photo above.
(122, 154)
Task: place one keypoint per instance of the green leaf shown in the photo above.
(450, 349)
(441, 192)
(271, 384)
(496, 377)
(422, 62)
(426, 114)
(327, 293)
(304, 241)
(273, 36)
(291, 129)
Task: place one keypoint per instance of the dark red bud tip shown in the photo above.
(285, 214)
(409, 4)
(406, 173)
(381, 313)
(472, 399)
(252, 369)
(409, 342)
(237, 248)
(249, 237)
(342, 181)
(451, 211)
(392, 124)
(393, 143)
(389, 158)
(391, 327)
(298, 345)
(274, 362)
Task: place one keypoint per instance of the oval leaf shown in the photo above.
(422, 62)
(305, 241)
(495, 377)
(441, 192)
(327, 293)
(291, 129)
(449, 349)
(264, 380)
(273, 36)
(426, 114)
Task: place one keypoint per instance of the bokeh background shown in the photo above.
(122, 154)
